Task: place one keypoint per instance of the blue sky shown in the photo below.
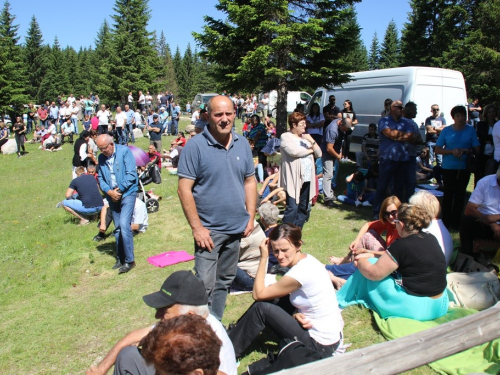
(76, 23)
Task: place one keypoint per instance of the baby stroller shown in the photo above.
(150, 174)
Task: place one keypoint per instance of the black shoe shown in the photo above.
(99, 237)
(118, 264)
(331, 204)
(126, 267)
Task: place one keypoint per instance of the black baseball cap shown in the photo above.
(181, 287)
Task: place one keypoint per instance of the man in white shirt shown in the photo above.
(130, 99)
(481, 219)
(74, 116)
(149, 100)
(103, 115)
(139, 217)
(181, 293)
(121, 120)
(67, 131)
(265, 103)
(71, 99)
(141, 101)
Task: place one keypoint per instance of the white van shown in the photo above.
(422, 85)
(293, 98)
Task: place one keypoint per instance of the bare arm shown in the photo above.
(472, 210)
(69, 193)
(383, 268)
(131, 339)
(397, 135)
(361, 233)
(250, 186)
(200, 233)
(283, 287)
(332, 152)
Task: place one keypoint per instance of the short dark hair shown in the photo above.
(373, 125)
(289, 232)
(458, 109)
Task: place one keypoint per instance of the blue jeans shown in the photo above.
(74, 121)
(351, 198)
(243, 281)
(122, 217)
(77, 206)
(335, 172)
(389, 169)
(344, 271)
(432, 154)
(173, 127)
(217, 268)
(29, 126)
(297, 213)
(122, 138)
(259, 172)
(129, 133)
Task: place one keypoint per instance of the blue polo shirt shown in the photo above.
(219, 176)
(450, 139)
(389, 149)
(130, 116)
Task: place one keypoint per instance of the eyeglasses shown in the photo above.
(435, 109)
(104, 148)
(386, 214)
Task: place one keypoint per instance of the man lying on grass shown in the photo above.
(181, 293)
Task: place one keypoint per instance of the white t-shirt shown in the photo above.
(130, 98)
(141, 99)
(314, 120)
(138, 118)
(71, 99)
(487, 195)
(74, 112)
(438, 230)
(51, 129)
(265, 102)
(140, 215)
(121, 119)
(316, 299)
(149, 98)
(195, 117)
(226, 356)
(496, 141)
(103, 117)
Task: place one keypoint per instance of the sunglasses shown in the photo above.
(386, 214)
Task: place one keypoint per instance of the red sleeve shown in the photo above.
(378, 226)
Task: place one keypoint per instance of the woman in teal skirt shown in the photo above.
(408, 280)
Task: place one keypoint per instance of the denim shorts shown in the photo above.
(77, 205)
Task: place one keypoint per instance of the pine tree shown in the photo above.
(186, 76)
(70, 64)
(35, 60)
(55, 82)
(288, 44)
(374, 56)
(356, 56)
(135, 65)
(12, 69)
(101, 61)
(390, 53)
(161, 46)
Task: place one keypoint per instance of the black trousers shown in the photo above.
(455, 183)
(470, 230)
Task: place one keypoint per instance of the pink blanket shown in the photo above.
(169, 258)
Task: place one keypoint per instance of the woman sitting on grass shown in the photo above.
(369, 239)
(409, 280)
(357, 192)
(306, 289)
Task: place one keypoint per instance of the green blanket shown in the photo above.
(480, 359)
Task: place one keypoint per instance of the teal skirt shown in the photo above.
(388, 299)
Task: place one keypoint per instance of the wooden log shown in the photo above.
(406, 353)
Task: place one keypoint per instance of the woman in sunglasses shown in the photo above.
(369, 239)
(408, 280)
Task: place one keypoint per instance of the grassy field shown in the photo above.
(63, 308)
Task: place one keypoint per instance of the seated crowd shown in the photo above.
(396, 265)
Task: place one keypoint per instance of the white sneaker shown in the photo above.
(366, 204)
(357, 203)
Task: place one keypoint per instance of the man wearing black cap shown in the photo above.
(181, 293)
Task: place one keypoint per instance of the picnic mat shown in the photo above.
(480, 359)
(169, 258)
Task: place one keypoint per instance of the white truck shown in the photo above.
(422, 85)
(293, 98)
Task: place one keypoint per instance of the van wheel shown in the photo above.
(273, 113)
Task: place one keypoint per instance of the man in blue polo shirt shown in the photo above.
(218, 194)
(394, 161)
(129, 126)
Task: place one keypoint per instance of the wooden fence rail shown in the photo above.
(406, 353)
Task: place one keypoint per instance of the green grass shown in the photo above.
(63, 308)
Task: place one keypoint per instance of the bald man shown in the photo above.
(218, 194)
(118, 180)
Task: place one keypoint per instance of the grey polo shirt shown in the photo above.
(219, 176)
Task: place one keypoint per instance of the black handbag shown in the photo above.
(472, 163)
